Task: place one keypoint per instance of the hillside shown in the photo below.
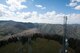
(12, 27)
(40, 45)
(35, 33)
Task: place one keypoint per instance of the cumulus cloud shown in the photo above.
(3, 9)
(48, 17)
(15, 4)
(75, 0)
(9, 12)
(74, 18)
(54, 18)
(35, 17)
(40, 6)
(77, 7)
(74, 4)
(11, 7)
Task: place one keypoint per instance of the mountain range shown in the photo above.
(11, 27)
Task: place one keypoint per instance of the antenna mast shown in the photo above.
(65, 37)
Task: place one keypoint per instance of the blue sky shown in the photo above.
(60, 6)
(42, 11)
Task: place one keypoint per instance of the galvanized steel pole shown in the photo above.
(65, 37)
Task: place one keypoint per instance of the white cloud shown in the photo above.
(35, 17)
(43, 8)
(40, 6)
(74, 18)
(11, 8)
(3, 9)
(53, 17)
(77, 7)
(74, 1)
(15, 4)
(74, 4)
(9, 12)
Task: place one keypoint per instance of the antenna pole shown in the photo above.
(65, 37)
(29, 45)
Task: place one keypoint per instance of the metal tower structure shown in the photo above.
(65, 37)
(20, 49)
(29, 45)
